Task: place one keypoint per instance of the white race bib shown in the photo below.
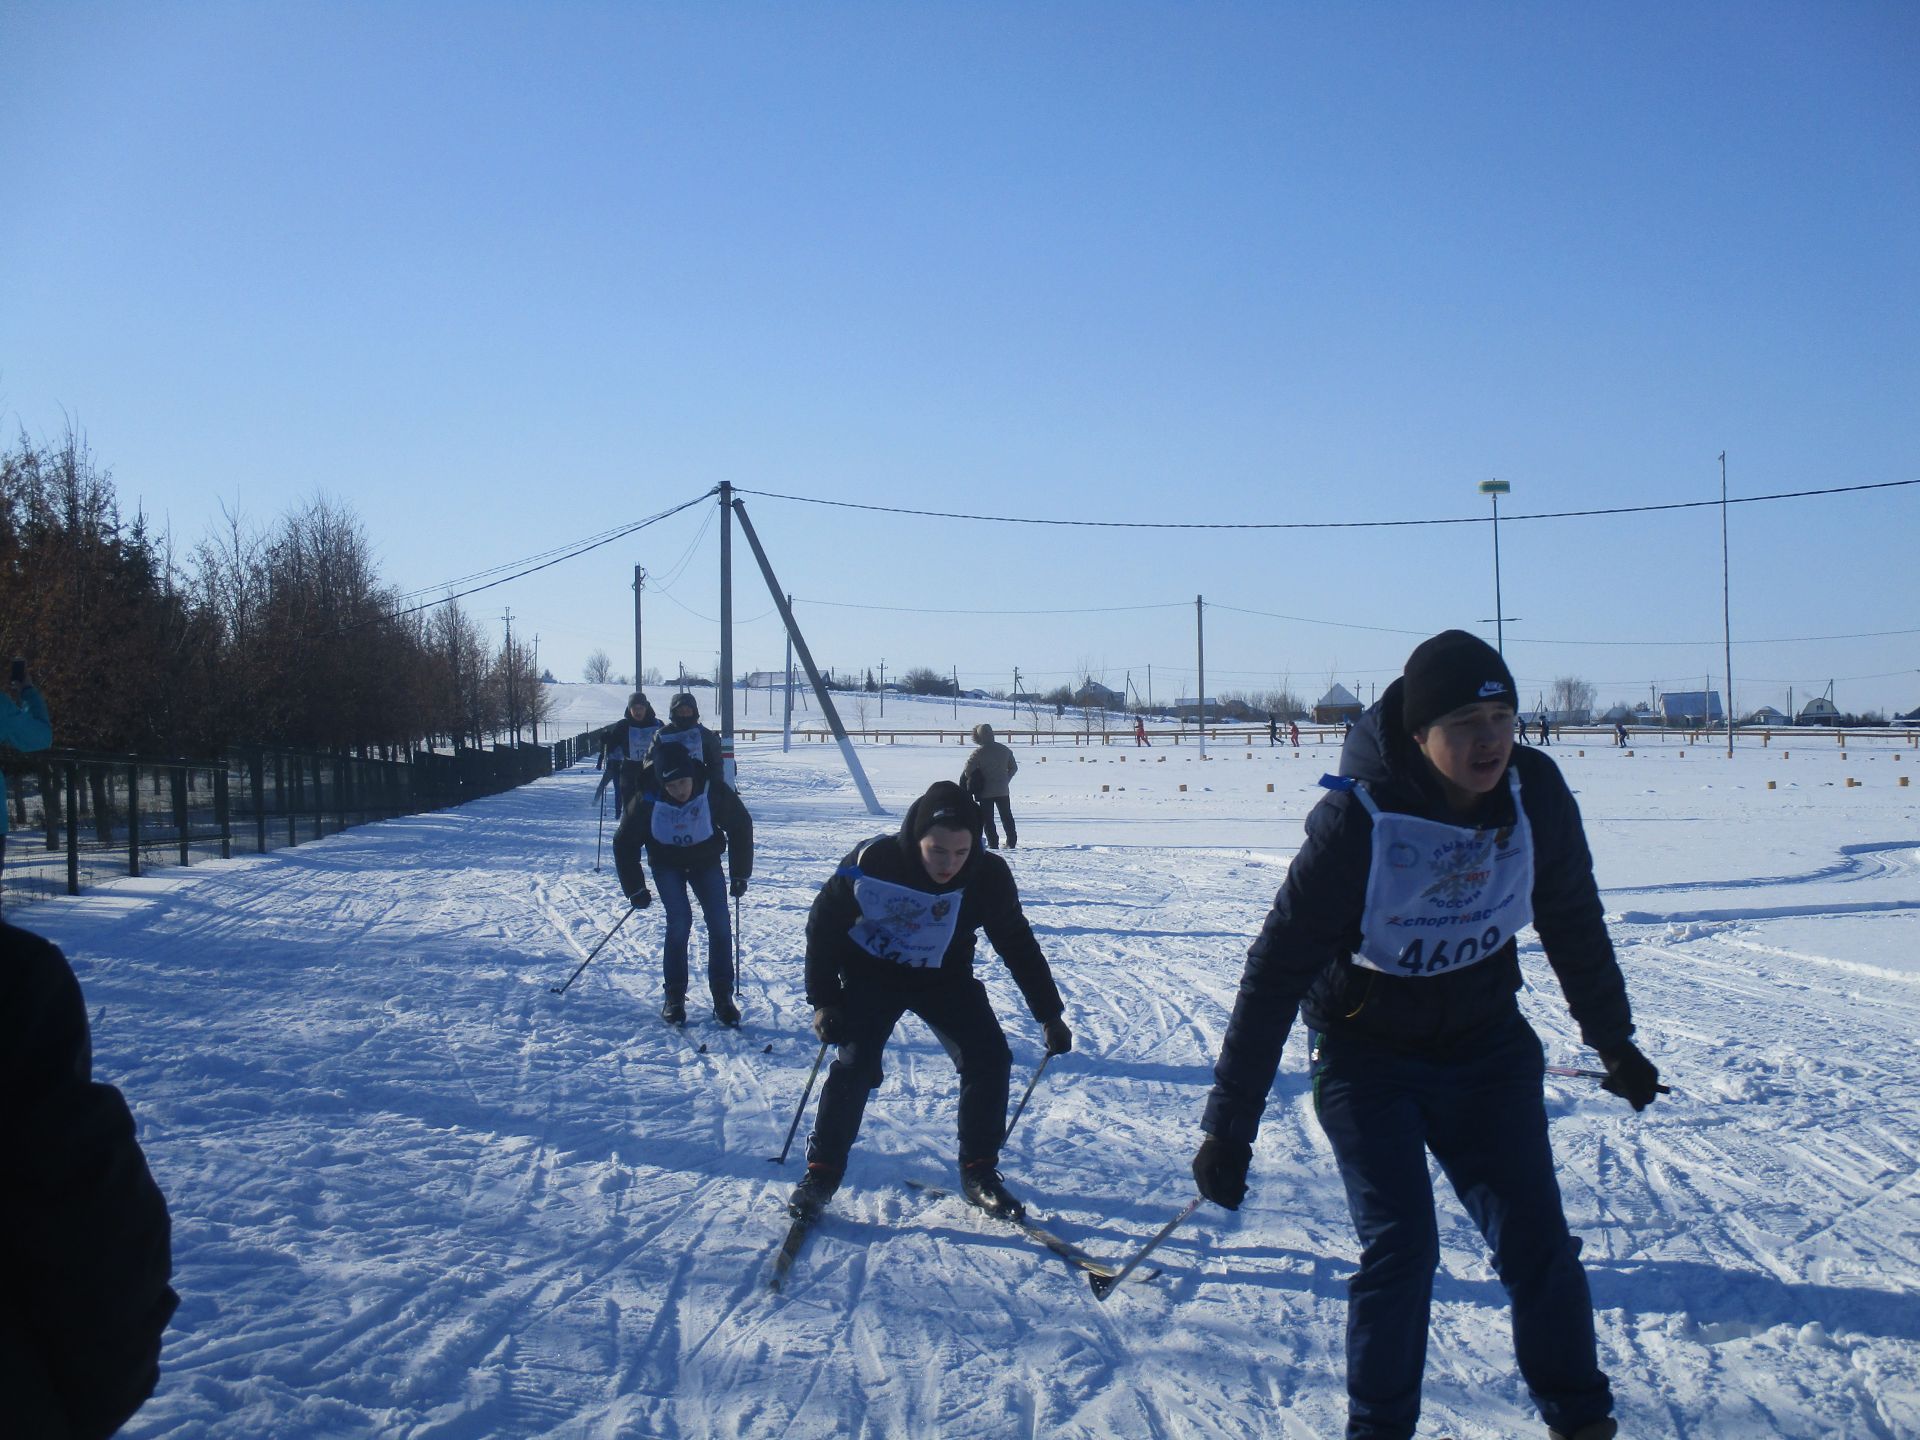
(1442, 897)
(687, 824)
(904, 925)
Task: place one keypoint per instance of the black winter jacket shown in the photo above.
(1302, 962)
(991, 902)
(732, 830)
(85, 1242)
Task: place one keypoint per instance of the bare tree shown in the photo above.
(1572, 699)
(599, 668)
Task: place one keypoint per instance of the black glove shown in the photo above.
(1059, 1037)
(1630, 1075)
(1220, 1171)
(830, 1024)
(641, 898)
(738, 887)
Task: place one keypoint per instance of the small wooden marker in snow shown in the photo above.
(1183, 789)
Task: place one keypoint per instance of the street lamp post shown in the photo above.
(1493, 490)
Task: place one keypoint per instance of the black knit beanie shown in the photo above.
(945, 804)
(1448, 671)
(683, 701)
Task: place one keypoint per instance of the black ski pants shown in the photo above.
(962, 1020)
(987, 804)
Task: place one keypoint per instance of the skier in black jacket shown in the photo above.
(683, 729)
(683, 833)
(1393, 937)
(623, 746)
(894, 931)
(85, 1243)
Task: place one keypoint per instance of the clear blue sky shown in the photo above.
(499, 278)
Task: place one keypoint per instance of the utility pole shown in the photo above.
(1494, 489)
(533, 710)
(1200, 637)
(1726, 600)
(786, 729)
(725, 677)
(883, 687)
(513, 709)
(639, 584)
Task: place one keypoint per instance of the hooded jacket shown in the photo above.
(732, 831)
(989, 770)
(989, 900)
(85, 1243)
(1302, 961)
(690, 735)
(25, 727)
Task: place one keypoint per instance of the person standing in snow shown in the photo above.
(893, 931)
(683, 729)
(1273, 728)
(1293, 733)
(24, 726)
(1544, 737)
(623, 745)
(988, 777)
(1394, 937)
(85, 1242)
(683, 832)
(1139, 739)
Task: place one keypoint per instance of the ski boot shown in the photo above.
(1595, 1430)
(816, 1187)
(674, 1011)
(726, 1012)
(980, 1182)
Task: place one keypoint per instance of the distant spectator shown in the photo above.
(1544, 737)
(1140, 732)
(1293, 733)
(988, 777)
(24, 726)
(85, 1242)
(1273, 728)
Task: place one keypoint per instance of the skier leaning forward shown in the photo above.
(1394, 936)
(684, 831)
(893, 931)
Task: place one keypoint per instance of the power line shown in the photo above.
(1316, 524)
(939, 610)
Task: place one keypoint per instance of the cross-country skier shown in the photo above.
(988, 777)
(1394, 937)
(893, 932)
(683, 729)
(696, 816)
(623, 745)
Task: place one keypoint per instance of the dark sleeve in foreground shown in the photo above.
(1313, 924)
(85, 1241)
(833, 912)
(628, 841)
(1568, 915)
(1006, 926)
(737, 825)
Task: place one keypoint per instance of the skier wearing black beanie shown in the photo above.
(1394, 937)
(893, 931)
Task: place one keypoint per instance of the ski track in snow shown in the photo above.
(417, 1195)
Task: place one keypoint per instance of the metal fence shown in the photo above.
(78, 818)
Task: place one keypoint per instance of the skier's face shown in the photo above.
(680, 791)
(944, 852)
(1468, 749)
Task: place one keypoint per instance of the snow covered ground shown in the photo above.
(416, 1194)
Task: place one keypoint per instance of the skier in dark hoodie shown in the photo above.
(623, 746)
(1394, 937)
(85, 1242)
(684, 832)
(894, 931)
(684, 730)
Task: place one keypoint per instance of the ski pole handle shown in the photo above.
(781, 1158)
(1103, 1285)
(1045, 1060)
(1578, 1074)
(562, 989)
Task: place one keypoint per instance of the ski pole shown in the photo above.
(1579, 1074)
(1103, 1284)
(1044, 1061)
(737, 947)
(781, 1158)
(562, 989)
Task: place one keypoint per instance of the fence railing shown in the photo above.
(79, 817)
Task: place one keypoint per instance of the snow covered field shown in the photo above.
(416, 1194)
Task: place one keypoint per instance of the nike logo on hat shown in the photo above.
(1492, 687)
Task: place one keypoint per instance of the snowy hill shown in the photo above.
(416, 1194)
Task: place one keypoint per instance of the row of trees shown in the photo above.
(276, 636)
